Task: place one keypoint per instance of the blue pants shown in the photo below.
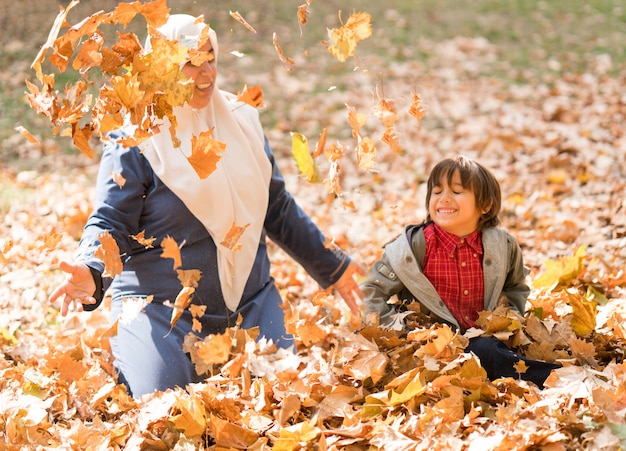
(499, 361)
(149, 356)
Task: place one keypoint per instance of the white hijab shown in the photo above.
(236, 193)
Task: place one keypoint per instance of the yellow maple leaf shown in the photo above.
(109, 252)
(343, 40)
(304, 160)
(171, 250)
(583, 313)
(205, 153)
(562, 271)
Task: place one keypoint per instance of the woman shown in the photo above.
(164, 197)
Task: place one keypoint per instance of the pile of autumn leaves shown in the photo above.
(346, 387)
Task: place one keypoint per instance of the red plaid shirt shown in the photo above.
(453, 265)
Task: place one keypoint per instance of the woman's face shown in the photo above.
(203, 77)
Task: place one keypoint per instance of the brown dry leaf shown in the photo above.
(253, 96)
(109, 253)
(141, 239)
(344, 40)
(231, 240)
(229, 435)
(171, 250)
(584, 352)
(205, 153)
(280, 52)
(303, 14)
(239, 18)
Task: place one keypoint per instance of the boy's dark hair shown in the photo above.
(475, 178)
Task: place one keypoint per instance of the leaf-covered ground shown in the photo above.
(556, 142)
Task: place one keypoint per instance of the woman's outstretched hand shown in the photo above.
(348, 287)
(78, 287)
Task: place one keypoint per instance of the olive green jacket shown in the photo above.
(400, 270)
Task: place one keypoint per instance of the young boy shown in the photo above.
(457, 264)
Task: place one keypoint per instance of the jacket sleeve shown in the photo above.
(116, 210)
(293, 230)
(378, 287)
(515, 287)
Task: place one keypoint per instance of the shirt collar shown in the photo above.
(449, 242)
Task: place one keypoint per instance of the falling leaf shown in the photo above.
(205, 153)
(26, 134)
(344, 40)
(356, 120)
(215, 349)
(304, 160)
(141, 239)
(189, 277)
(182, 301)
(321, 144)
(231, 240)
(366, 154)
(417, 108)
(279, 50)
(239, 18)
(171, 250)
(132, 307)
(303, 14)
(252, 96)
(118, 178)
(109, 253)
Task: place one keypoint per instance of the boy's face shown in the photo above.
(453, 208)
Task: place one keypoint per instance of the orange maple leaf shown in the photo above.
(231, 240)
(343, 40)
(109, 252)
(171, 250)
(417, 108)
(205, 153)
(141, 239)
(183, 299)
(252, 96)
